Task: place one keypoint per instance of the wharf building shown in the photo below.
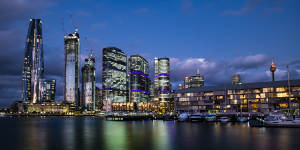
(258, 97)
(72, 68)
(33, 70)
(89, 84)
(194, 81)
(114, 76)
(162, 86)
(138, 79)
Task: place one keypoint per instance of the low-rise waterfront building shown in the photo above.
(48, 108)
(154, 106)
(258, 97)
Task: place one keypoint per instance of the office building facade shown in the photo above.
(162, 86)
(47, 90)
(72, 68)
(33, 70)
(194, 81)
(138, 79)
(114, 75)
(89, 84)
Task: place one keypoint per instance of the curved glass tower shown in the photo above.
(72, 66)
(162, 86)
(33, 70)
(89, 84)
(138, 78)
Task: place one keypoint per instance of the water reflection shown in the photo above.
(37, 133)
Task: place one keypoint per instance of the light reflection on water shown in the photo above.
(37, 133)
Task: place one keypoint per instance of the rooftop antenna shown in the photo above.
(198, 72)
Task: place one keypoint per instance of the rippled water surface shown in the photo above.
(37, 133)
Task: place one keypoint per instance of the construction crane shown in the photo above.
(63, 25)
(72, 21)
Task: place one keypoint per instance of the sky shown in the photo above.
(218, 37)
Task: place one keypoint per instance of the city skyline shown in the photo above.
(211, 64)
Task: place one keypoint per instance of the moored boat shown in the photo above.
(242, 119)
(224, 119)
(211, 117)
(196, 117)
(183, 117)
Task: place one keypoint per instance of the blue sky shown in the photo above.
(220, 37)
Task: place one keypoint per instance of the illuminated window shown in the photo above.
(254, 106)
(262, 95)
(280, 89)
(285, 94)
(283, 105)
(208, 94)
(220, 97)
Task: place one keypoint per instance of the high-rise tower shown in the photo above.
(72, 68)
(162, 86)
(273, 69)
(89, 84)
(114, 75)
(33, 69)
(138, 78)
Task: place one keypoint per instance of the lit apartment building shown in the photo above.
(258, 97)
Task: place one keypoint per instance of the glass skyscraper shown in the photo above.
(138, 79)
(89, 84)
(114, 75)
(72, 66)
(33, 69)
(162, 86)
(47, 90)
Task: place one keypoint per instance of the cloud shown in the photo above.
(16, 10)
(250, 62)
(250, 5)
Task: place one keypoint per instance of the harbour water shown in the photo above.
(52, 133)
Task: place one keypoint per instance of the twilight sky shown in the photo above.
(219, 37)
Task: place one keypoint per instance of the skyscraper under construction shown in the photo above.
(72, 68)
(88, 84)
(33, 70)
